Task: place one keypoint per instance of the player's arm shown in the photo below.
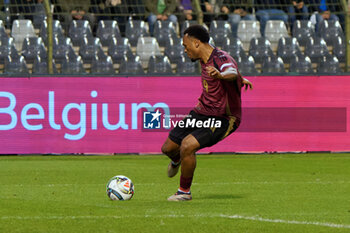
(229, 74)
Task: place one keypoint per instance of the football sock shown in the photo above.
(185, 184)
(183, 192)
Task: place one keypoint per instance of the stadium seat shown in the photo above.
(33, 47)
(260, 49)
(329, 64)
(102, 65)
(79, 29)
(288, 48)
(147, 47)
(174, 49)
(273, 66)
(159, 65)
(220, 30)
(21, 29)
(15, 65)
(106, 30)
(301, 65)
(329, 30)
(73, 66)
(234, 47)
(131, 66)
(185, 25)
(118, 48)
(246, 66)
(89, 48)
(316, 48)
(274, 30)
(303, 30)
(7, 48)
(136, 29)
(57, 30)
(339, 48)
(62, 47)
(163, 30)
(40, 66)
(186, 67)
(2, 30)
(248, 29)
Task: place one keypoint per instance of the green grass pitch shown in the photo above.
(231, 193)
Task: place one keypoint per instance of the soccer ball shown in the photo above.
(120, 188)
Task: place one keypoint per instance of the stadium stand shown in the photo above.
(102, 65)
(275, 29)
(220, 31)
(174, 50)
(15, 65)
(89, 48)
(316, 48)
(57, 30)
(33, 47)
(273, 66)
(247, 30)
(79, 29)
(7, 48)
(329, 64)
(136, 29)
(24, 30)
(106, 30)
(260, 49)
(234, 47)
(301, 65)
(288, 48)
(247, 66)
(303, 30)
(131, 66)
(40, 66)
(118, 48)
(186, 67)
(159, 65)
(72, 66)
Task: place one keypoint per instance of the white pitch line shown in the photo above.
(219, 183)
(251, 218)
(324, 224)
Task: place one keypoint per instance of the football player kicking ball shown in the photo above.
(220, 102)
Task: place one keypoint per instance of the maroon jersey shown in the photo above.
(220, 97)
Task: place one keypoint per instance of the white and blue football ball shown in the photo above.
(120, 188)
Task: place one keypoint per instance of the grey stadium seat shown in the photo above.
(79, 29)
(106, 30)
(159, 65)
(118, 48)
(131, 66)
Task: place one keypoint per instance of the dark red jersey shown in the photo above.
(220, 97)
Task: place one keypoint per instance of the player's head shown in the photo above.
(194, 37)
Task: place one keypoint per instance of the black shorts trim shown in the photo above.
(208, 136)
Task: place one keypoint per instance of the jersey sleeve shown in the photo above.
(224, 62)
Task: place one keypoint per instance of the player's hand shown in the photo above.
(247, 83)
(213, 72)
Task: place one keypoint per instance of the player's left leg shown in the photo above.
(188, 148)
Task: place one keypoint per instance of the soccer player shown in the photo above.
(220, 101)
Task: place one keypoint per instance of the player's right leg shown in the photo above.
(172, 150)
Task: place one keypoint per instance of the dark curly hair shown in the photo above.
(199, 32)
